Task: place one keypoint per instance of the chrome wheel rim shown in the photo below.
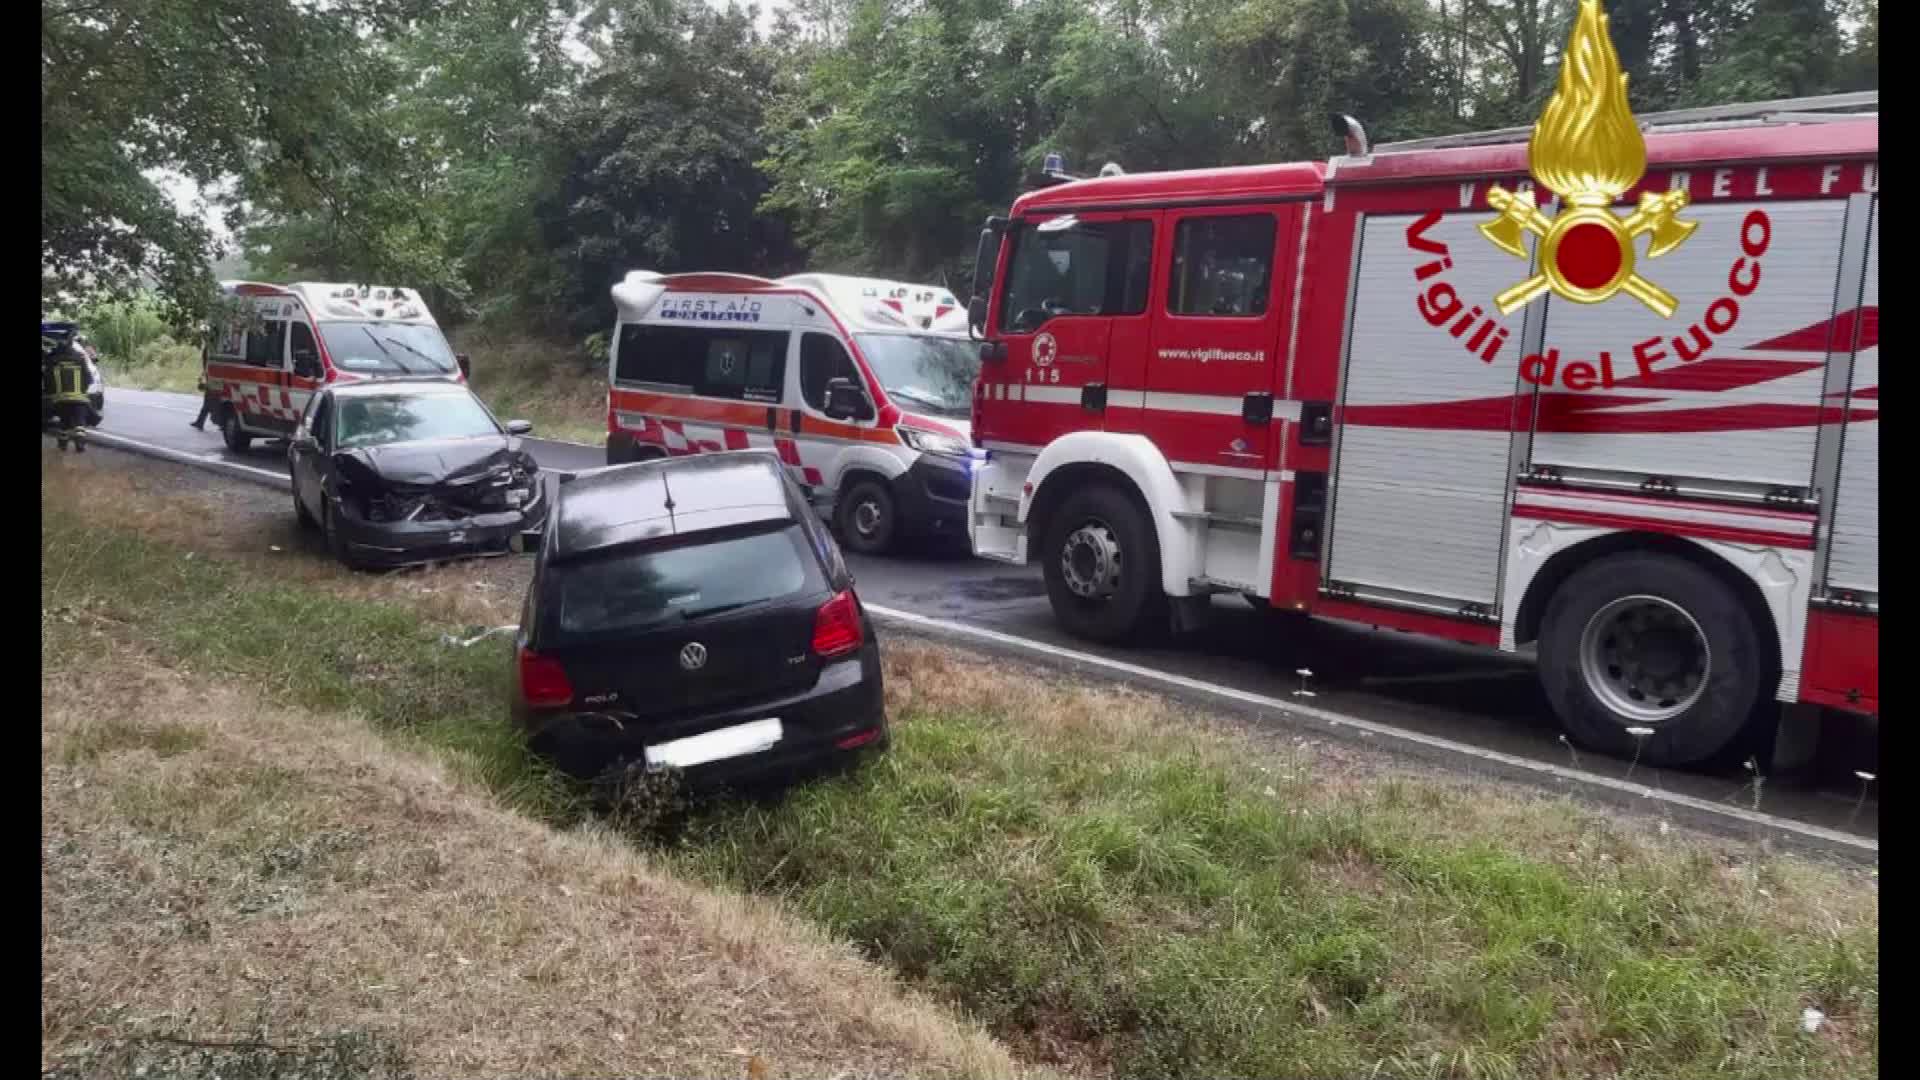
(1645, 658)
(1090, 561)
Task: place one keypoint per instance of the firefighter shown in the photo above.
(66, 380)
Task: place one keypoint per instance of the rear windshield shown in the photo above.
(633, 589)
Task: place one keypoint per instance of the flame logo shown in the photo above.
(1587, 149)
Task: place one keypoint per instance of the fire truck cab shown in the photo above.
(272, 346)
(1341, 389)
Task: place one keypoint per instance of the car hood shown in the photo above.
(450, 461)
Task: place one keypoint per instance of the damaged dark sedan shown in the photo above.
(397, 472)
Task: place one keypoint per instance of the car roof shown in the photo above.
(396, 387)
(668, 498)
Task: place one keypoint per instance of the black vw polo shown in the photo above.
(693, 614)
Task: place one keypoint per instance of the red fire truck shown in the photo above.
(1346, 389)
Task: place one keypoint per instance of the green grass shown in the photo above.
(1149, 902)
(1155, 897)
(300, 646)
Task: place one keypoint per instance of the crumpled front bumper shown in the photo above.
(402, 543)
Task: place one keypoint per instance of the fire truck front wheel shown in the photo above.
(1102, 565)
(1651, 657)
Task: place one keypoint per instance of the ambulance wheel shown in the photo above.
(1102, 565)
(1651, 658)
(867, 517)
(237, 438)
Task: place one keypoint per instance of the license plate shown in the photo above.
(728, 742)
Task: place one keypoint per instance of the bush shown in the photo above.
(164, 352)
(119, 329)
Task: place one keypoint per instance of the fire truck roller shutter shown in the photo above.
(1139, 464)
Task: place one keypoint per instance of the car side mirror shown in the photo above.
(519, 427)
(466, 365)
(845, 401)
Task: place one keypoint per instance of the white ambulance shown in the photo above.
(862, 386)
(275, 344)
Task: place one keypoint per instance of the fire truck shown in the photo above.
(1411, 387)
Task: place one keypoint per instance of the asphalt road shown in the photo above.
(1390, 678)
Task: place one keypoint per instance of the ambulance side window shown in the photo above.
(267, 344)
(748, 365)
(822, 358)
(1222, 266)
(306, 353)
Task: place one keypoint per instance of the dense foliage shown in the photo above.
(514, 157)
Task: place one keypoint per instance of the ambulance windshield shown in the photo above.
(923, 373)
(387, 348)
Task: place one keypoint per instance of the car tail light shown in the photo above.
(836, 626)
(543, 682)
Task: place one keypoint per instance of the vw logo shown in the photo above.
(693, 656)
(1044, 349)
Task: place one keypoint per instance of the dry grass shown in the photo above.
(256, 530)
(213, 865)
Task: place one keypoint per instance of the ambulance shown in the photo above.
(273, 345)
(861, 386)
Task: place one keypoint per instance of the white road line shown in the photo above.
(1334, 719)
(186, 457)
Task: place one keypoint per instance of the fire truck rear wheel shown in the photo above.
(1651, 658)
(237, 438)
(1102, 565)
(867, 517)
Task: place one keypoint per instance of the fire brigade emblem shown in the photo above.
(1045, 349)
(1587, 149)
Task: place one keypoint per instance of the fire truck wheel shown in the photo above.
(1651, 657)
(1102, 565)
(237, 439)
(866, 517)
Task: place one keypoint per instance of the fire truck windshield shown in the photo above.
(387, 348)
(926, 374)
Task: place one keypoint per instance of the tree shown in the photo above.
(651, 162)
(262, 90)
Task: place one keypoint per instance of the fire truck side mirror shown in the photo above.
(991, 351)
(977, 314)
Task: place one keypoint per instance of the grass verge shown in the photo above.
(556, 387)
(1119, 888)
